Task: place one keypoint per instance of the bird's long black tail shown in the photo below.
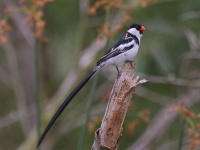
(66, 102)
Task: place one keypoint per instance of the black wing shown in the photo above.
(114, 51)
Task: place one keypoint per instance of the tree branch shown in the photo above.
(111, 128)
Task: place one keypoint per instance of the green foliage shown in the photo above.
(169, 53)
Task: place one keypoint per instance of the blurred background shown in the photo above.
(48, 46)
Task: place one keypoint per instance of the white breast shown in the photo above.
(120, 59)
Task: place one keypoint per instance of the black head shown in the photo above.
(139, 27)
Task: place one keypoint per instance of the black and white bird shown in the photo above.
(123, 51)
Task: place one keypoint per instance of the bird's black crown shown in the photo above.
(137, 26)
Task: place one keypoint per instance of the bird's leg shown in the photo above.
(117, 69)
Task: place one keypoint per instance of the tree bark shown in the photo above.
(110, 132)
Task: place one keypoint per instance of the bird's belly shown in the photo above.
(120, 59)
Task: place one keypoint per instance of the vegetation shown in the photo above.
(48, 46)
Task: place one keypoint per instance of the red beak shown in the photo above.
(142, 28)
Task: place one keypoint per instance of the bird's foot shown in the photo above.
(133, 64)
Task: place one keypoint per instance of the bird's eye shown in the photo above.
(138, 28)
